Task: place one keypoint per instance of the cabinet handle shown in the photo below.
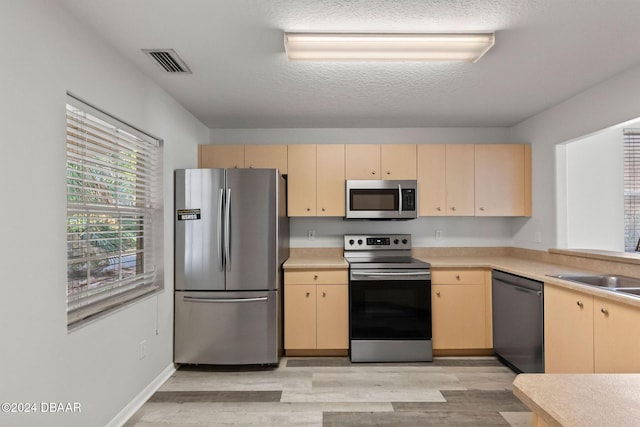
(388, 173)
(580, 304)
(323, 209)
(457, 276)
(604, 311)
(438, 294)
(438, 208)
(315, 277)
(250, 166)
(453, 208)
(481, 209)
(324, 294)
(373, 172)
(308, 209)
(308, 294)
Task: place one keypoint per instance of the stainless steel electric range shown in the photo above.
(389, 300)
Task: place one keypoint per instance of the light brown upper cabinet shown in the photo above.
(459, 166)
(362, 161)
(301, 182)
(380, 161)
(220, 156)
(432, 193)
(398, 161)
(330, 185)
(316, 180)
(266, 156)
(502, 180)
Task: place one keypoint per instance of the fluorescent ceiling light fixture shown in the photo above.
(387, 47)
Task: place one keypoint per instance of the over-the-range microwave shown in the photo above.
(380, 199)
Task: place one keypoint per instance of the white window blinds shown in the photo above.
(114, 205)
(632, 190)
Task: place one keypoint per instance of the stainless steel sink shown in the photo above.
(612, 282)
(602, 280)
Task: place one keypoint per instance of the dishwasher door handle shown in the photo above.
(520, 288)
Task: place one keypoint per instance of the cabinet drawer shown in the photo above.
(457, 277)
(321, 277)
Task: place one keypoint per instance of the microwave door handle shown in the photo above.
(399, 199)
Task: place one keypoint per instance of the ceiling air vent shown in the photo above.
(168, 60)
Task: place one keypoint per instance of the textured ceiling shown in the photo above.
(546, 51)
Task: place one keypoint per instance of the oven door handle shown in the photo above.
(399, 200)
(390, 274)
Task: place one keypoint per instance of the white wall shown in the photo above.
(47, 52)
(609, 103)
(458, 231)
(595, 192)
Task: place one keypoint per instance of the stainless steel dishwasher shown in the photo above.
(518, 321)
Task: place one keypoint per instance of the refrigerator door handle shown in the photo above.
(227, 231)
(224, 300)
(219, 248)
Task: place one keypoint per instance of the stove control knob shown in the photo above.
(396, 241)
(351, 242)
(359, 241)
(404, 241)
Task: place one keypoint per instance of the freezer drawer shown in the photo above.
(226, 328)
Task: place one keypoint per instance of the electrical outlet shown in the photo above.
(538, 237)
(143, 349)
(311, 234)
(438, 234)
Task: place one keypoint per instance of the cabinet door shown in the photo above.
(568, 331)
(458, 316)
(301, 184)
(332, 317)
(266, 156)
(362, 161)
(460, 179)
(220, 156)
(398, 161)
(432, 179)
(500, 179)
(299, 317)
(330, 180)
(616, 337)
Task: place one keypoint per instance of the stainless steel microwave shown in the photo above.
(379, 199)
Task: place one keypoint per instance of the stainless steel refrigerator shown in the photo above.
(231, 238)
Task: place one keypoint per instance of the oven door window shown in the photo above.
(374, 199)
(390, 310)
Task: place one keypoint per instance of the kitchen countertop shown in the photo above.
(331, 258)
(531, 269)
(581, 399)
(322, 258)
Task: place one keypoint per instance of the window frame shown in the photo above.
(631, 189)
(114, 174)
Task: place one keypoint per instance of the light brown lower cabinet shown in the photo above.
(568, 331)
(586, 334)
(316, 315)
(461, 309)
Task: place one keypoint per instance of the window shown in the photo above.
(114, 212)
(632, 190)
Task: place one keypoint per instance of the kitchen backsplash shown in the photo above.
(426, 231)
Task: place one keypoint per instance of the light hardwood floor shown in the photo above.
(333, 392)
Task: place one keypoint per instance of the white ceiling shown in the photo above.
(546, 51)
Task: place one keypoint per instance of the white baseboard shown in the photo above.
(137, 402)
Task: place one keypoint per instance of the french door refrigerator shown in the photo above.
(231, 238)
